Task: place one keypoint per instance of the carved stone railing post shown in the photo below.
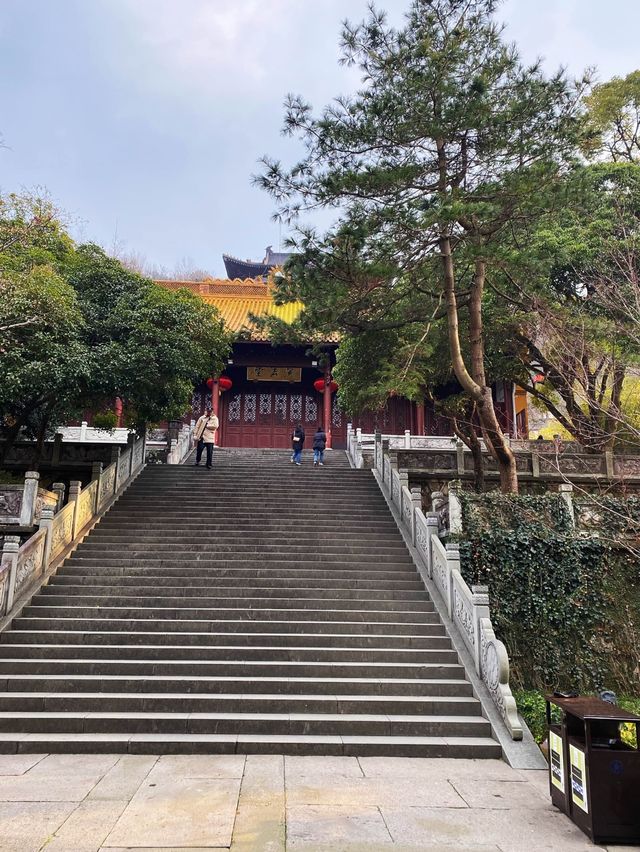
(480, 598)
(46, 520)
(8, 570)
(116, 454)
(386, 476)
(432, 530)
(59, 488)
(29, 498)
(460, 457)
(609, 466)
(416, 503)
(455, 508)
(131, 439)
(453, 563)
(407, 439)
(535, 464)
(377, 438)
(566, 493)
(75, 489)
(96, 473)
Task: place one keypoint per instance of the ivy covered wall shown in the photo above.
(566, 604)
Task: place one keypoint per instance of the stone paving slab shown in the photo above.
(27, 826)
(271, 803)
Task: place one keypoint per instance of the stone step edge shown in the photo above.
(408, 636)
(329, 664)
(280, 648)
(250, 743)
(254, 697)
(241, 717)
(234, 679)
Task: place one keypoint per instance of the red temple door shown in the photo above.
(266, 417)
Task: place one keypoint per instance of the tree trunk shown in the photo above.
(475, 384)
(470, 439)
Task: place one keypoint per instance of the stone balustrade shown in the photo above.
(181, 447)
(23, 568)
(22, 505)
(468, 608)
(442, 457)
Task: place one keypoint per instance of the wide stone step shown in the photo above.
(56, 702)
(106, 684)
(439, 653)
(229, 538)
(100, 621)
(205, 594)
(432, 636)
(123, 526)
(452, 747)
(199, 605)
(242, 572)
(242, 613)
(275, 546)
(245, 723)
(231, 668)
(142, 582)
(281, 559)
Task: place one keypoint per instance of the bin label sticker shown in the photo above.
(556, 764)
(578, 778)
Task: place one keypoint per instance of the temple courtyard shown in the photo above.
(270, 803)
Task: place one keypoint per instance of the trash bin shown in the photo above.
(594, 777)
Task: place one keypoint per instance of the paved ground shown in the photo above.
(86, 803)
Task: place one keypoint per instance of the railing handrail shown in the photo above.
(22, 567)
(468, 608)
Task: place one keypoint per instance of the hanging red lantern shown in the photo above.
(224, 383)
(319, 385)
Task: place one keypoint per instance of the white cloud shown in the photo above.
(207, 44)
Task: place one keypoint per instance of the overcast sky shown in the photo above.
(144, 119)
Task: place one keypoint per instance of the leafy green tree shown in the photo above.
(449, 141)
(44, 361)
(149, 344)
(77, 329)
(614, 119)
(573, 305)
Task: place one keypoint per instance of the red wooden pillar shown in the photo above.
(326, 405)
(215, 396)
(419, 418)
(215, 402)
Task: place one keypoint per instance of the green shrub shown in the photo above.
(106, 421)
(532, 708)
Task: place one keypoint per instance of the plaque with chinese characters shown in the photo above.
(274, 374)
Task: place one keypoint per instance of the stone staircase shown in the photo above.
(257, 607)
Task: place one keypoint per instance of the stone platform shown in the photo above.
(271, 803)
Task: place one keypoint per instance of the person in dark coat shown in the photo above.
(319, 444)
(297, 443)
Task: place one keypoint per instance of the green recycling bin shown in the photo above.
(594, 776)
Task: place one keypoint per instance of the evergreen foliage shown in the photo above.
(78, 329)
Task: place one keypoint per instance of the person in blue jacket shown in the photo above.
(319, 444)
(297, 443)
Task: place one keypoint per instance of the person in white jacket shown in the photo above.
(205, 435)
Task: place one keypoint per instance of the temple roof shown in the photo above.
(236, 300)
(237, 268)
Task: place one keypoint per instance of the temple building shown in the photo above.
(267, 389)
